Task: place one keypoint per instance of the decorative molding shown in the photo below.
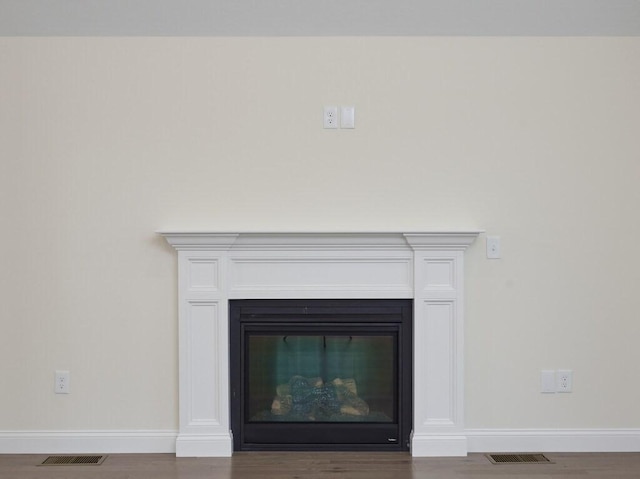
(203, 275)
(527, 440)
(203, 240)
(199, 241)
(439, 275)
(167, 442)
(442, 240)
(204, 445)
(313, 273)
(88, 442)
(553, 440)
(441, 445)
(203, 320)
(437, 347)
(424, 266)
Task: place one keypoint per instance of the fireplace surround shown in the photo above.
(215, 268)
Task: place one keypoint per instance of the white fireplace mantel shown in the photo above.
(424, 266)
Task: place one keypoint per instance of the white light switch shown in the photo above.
(347, 117)
(547, 381)
(493, 247)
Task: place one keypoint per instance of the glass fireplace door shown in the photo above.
(321, 374)
(321, 378)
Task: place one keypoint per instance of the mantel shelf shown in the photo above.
(217, 240)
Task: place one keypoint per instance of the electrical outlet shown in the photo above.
(564, 378)
(330, 117)
(62, 382)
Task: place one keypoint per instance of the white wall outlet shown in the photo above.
(493, 247)
(62, 385)
(564, 378)
(547, 381)
(330, 117)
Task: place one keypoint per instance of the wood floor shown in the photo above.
(342, 465)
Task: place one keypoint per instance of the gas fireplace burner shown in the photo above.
(321, 374)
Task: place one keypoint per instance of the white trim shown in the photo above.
(291, 241)
(201, 445)
(88, 442)
(425, 266)
(443, 445)
(553, 440)
(473, 440)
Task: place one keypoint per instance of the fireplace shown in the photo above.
(321, 374)
(216, 269)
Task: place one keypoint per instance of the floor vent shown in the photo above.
(518, 459)
(73, 461)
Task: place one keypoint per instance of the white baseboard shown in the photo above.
(87, 442)
(425, 445)
(553, 440)
(204, 445)
(472, 440)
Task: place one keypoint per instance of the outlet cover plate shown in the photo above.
(564, 378)
(330, 117)
(62, 385)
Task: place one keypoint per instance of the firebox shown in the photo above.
(321, 374)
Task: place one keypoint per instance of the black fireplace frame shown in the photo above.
(323, 316)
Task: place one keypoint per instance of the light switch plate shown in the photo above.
(547, 381)
(347, 117)
(493, 247)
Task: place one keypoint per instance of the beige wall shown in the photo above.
(105, 141)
